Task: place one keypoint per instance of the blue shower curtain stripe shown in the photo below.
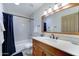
(8, 47)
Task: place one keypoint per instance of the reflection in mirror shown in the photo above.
(64, 21)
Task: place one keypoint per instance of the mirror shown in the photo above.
(63, 21)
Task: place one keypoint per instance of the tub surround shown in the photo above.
(61, 45)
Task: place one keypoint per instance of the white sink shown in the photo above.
(44, 38)
(47, 39)
(63, 42)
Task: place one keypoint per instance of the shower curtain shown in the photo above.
(8, 47)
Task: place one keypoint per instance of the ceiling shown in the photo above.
(23, 8)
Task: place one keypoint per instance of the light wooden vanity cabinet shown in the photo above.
(42, 49)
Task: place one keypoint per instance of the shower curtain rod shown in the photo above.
(20, 16)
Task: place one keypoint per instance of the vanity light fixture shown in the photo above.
(57, 7)
(64, 4)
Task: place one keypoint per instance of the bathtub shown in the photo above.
(23, 46)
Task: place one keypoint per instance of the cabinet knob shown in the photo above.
(43, 53)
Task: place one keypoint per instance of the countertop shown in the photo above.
(60, 44)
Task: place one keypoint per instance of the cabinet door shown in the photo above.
(37, 51)
(33, 51)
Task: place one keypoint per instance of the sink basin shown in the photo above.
(47, 39)
(63, 42)
(44, 38)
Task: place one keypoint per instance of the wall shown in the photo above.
(37, 16)
(31, 28)
(1, 33)
(37, 20)
(21, 29)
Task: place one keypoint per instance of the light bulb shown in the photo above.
(55, 7)
(49, 10)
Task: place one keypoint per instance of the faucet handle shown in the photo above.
(53, 36)
(56, 38)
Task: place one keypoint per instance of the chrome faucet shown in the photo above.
(53, 36)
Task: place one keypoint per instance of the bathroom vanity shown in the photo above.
(43, 46)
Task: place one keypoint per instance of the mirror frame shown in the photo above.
(70, 5)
